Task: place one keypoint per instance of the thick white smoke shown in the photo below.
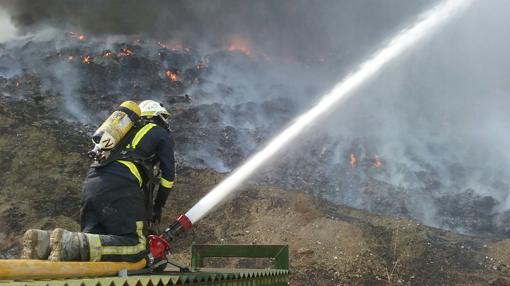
(7, 29)
(340, 93)
(435, 118)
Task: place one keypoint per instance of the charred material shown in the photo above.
(76, 79)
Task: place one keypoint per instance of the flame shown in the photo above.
(18, 83)
(171, 75)
(238, 44)
(70, 58)
(87, 59)
(78, 36)
(377, 162)
(124, 52)
(354, 160)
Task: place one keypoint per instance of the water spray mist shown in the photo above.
(407, 38)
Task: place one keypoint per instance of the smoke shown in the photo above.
(438, 121)
(437, 118)
(66, 79)
(293, 29)
(7, 29)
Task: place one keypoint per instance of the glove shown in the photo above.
(159, 203)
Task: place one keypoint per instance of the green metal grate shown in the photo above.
(280, 253)
(208, 276)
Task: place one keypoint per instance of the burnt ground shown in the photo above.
(43, 164)
(234, 103)
(43, 154)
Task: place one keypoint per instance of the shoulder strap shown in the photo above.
(119, 152)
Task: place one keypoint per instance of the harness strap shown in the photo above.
(130, 113)
(133, 169)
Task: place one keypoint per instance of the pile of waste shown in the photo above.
(70, 82)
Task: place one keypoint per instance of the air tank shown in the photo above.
(109, 134)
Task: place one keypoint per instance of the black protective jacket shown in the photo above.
(156, 145)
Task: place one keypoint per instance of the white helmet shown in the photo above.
(150, 108)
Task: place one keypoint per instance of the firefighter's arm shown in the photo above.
(167, 165)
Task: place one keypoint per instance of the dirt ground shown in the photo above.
(43, 164)
(337, 245)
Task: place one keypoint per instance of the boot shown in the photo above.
(36, 244)
(68, 246)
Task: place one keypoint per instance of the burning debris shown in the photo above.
(171, 75)
(107, 53)
(354, 160)
(125, 52)
(366, 162)
(87, 59)
(377, 162)
(80, 37)
(175, 75)
(231, 99)
(238, 44)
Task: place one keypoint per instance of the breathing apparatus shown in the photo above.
(113, 129)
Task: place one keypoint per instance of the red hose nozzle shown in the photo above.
(183, 223)
(158, 244)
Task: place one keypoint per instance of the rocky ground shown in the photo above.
(43, 163)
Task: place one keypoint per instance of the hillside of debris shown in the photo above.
(235, 100)
(44, 163)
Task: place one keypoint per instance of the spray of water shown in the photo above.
(403, 41)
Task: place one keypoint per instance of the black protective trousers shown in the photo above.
(112, 218)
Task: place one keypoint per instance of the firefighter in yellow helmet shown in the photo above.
(114, 209)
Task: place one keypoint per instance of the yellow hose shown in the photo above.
(19, 269)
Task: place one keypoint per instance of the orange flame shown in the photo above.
(87, 59)
(171, 75)
(354, 160)
(377, 162)
(80, 37)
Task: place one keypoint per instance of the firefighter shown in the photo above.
(113, 206)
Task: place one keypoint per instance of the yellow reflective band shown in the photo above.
(128, 250)
(94, 246)
(139, 135)
(166, 183)
(148, 113)
(134, 170)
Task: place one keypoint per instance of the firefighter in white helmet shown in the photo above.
(114, 212)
